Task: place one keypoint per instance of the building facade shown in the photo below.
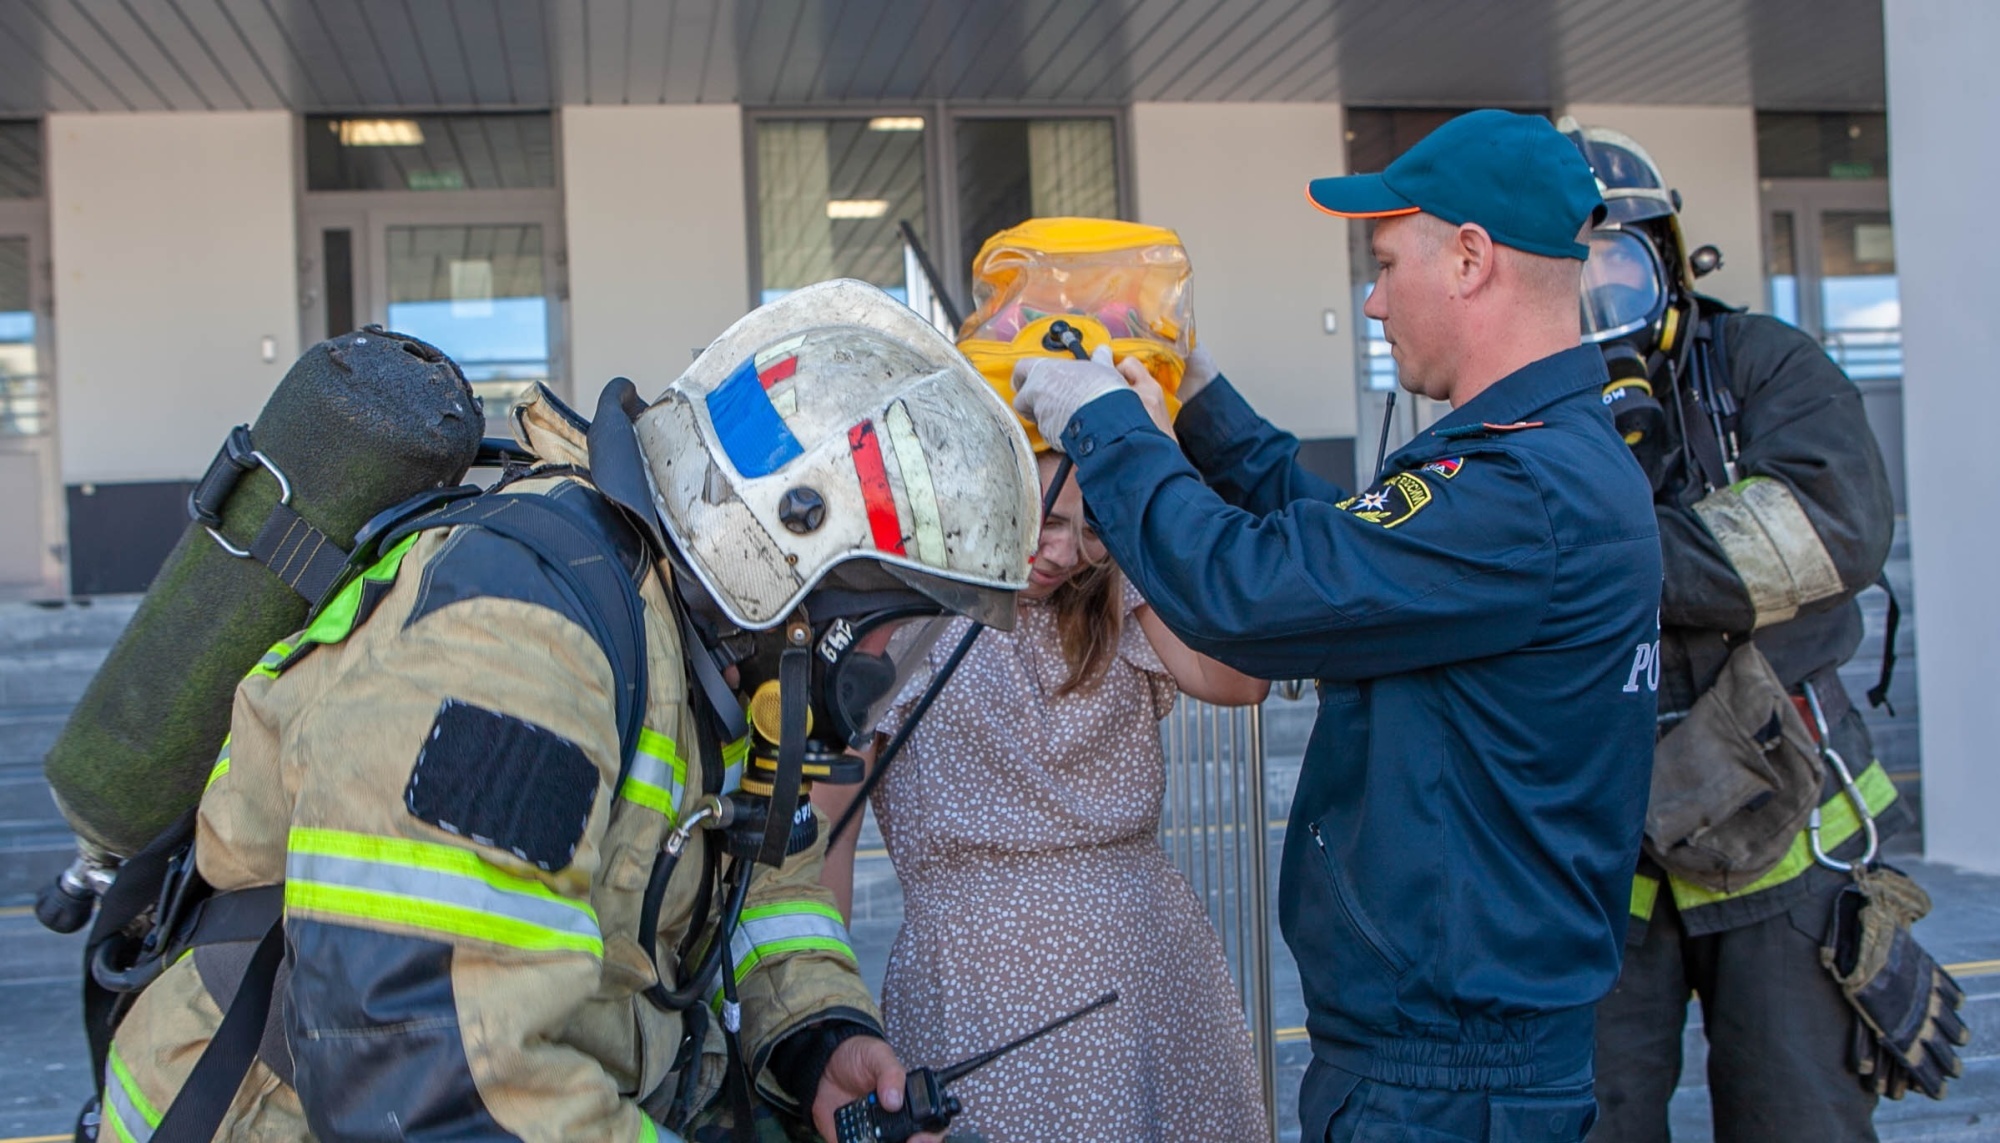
(571, 190)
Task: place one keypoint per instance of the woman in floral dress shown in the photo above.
(1022, 818)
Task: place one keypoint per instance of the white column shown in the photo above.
(658, 242)
(1942, 171)
(1709, 154)
(1231, 178)
(174, 241)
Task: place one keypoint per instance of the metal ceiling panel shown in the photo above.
(436, 35)
(111, 37)
(646, 52)
(1250, 35)
(222, 39)
(607, 39)
(1304, 62)
(568, 32)
(80, 83)
(351, 55)
(413, 73)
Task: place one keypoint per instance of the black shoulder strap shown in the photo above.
(1878, 695)
(1698, 394)
(589, 565)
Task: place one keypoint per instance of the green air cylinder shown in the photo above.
(360, 424)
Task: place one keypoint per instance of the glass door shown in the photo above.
(478, 291)
(1831, 265)
(445, 227)
(483, 284)
(31, 546)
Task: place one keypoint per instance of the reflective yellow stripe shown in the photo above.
(733, 756)
(221, 765)
(442, 888)
(658, 775)
(786, 927)
(1645, 891)
(126, 1109)
(649, 1132)
(268, 665)
(1837, 823)
(335, 621)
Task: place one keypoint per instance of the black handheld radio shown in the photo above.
(926, 1105)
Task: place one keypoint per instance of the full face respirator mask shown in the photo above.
(1628, 313)
(857, 651)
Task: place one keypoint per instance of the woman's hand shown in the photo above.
(1150, 393)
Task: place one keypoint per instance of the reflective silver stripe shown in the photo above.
(773, 930)
(651, 781)
(121, 1109)
(448, 888)
(1771, 544)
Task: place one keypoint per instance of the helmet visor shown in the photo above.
(1624, 288)
(887, 651)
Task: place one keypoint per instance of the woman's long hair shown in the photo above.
(1089, 619)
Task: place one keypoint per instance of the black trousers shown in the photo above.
(1778, 1031)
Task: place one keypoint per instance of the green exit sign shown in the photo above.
(1851, 170)
(436, 180)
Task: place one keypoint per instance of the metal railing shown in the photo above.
(24, 405)
(1214, 829)
(1866, 354)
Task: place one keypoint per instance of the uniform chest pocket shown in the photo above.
(1349, 907)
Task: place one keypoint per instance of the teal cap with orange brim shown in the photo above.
(1514, 175)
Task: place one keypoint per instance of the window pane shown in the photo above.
(20, 159)
(430, 152)
(1861, 310)
(1784, 281)
(1011, 170)
(829, 195)
(337, 253)
(24, 397)
(1833, 145)
(475, 292)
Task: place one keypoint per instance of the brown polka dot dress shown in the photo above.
(1024, 829)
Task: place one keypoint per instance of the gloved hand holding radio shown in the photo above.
(1049, 390)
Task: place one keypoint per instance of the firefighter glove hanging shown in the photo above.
(1908, 1030)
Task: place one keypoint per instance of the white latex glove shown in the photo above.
(1195, 377)
(1049, 390)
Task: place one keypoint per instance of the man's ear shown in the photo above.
(1476, 255)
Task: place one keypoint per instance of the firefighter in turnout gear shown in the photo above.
(503, 917)
(1767, 804)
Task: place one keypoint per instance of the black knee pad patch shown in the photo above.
(504, 782)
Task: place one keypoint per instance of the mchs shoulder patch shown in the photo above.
(1400, 496)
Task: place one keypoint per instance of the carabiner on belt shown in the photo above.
(1853, 792)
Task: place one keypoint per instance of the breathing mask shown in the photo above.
(1636, 297)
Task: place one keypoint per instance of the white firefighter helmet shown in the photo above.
(831, 426)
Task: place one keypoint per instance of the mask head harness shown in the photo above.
(1637, 299)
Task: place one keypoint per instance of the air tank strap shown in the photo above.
(305, 558)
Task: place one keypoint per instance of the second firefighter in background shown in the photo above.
(1774, 513)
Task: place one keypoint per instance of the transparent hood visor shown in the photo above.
(1624, 286)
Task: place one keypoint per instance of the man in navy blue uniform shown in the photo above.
(1482, 621)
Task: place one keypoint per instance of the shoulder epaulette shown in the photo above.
(1483, 429)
